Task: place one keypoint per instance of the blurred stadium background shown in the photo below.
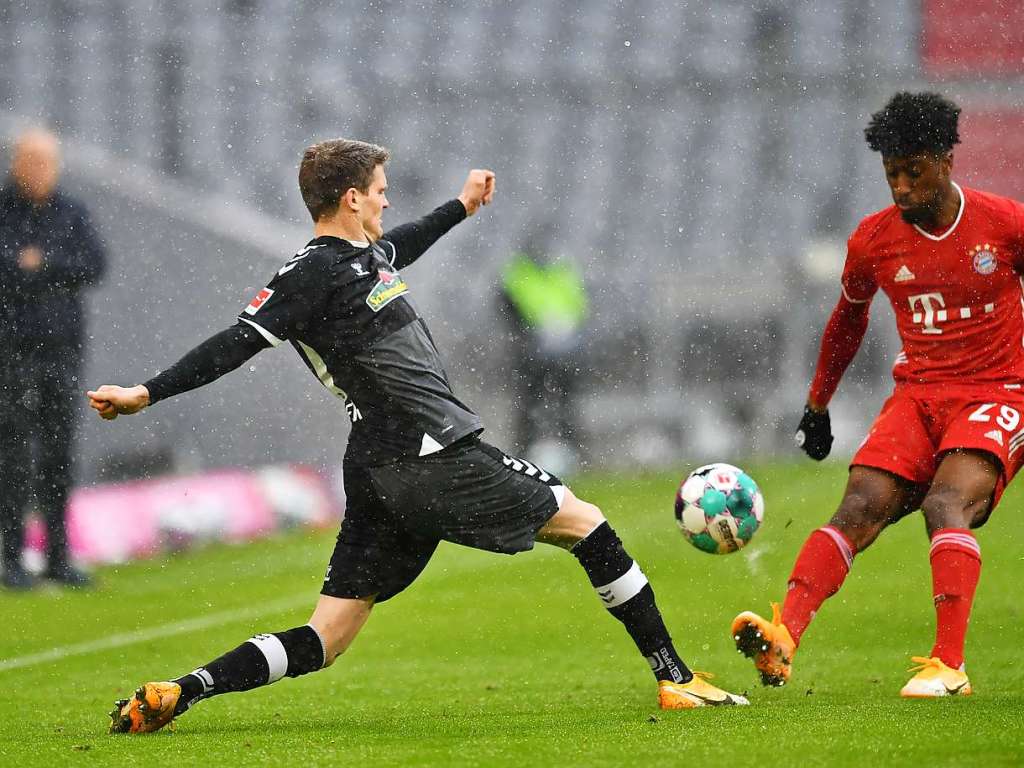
(703, 162)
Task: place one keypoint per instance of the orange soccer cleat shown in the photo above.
(150, 709)
(768, 643)
(934, 679)
(696, 693)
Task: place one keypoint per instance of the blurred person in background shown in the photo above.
(546, 303)
(49, 253)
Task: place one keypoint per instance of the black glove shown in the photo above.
(814, 435)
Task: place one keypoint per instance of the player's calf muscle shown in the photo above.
(338, 621)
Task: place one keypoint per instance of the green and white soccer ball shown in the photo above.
(719, 508)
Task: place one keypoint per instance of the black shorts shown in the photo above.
(396, 514)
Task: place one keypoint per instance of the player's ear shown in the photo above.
(351, 198)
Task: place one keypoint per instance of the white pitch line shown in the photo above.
(212, 620)
(156, 633)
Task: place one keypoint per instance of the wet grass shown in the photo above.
(491, 660)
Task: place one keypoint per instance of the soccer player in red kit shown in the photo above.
(951, 436)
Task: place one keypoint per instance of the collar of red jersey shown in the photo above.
(959, 215)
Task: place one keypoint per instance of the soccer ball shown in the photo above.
(719, 508)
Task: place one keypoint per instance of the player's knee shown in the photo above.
(581, 516)
(573, 521)
(859, 519)
(947, 507)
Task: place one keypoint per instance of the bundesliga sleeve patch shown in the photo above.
(258, 301)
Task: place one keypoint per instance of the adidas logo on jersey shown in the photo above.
(904, 274)
(996, 435)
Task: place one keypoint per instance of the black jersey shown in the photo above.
(346, 309)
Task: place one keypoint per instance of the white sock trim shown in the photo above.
(275, 654)
(204, 677)
(840, 541)
(623, 588)
(959, 540)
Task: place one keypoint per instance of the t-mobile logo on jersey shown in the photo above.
(934, 310)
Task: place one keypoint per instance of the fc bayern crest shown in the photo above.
(984, 259)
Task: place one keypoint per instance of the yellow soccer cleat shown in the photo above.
(935, 679)
(768, 643)
(696, 693)
(150, 709)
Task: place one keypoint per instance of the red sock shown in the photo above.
(819, 571)
(956, 566)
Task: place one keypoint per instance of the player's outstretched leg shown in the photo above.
(819, 571)
(623, 589)
(873, 499)
(259, 661)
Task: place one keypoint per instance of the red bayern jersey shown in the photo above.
(958, 295)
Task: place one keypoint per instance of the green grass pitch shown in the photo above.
(491, 661)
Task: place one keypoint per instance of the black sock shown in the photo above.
(259, 661)
(624, 590)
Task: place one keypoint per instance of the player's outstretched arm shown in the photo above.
(219, 354)
(839, 344)
(410, 241)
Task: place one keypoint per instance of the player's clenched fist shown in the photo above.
(111, 400)
(814, 435)
(478, 190)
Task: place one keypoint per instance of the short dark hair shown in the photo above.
(330, 168)
(914, 123)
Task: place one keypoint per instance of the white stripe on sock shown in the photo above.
(840, 542)
(277, 657)
(966, 541)
(623, 588)
(966, 537)
(959, 540)
(203, 676)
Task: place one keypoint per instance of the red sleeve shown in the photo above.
(849, 321)
(839, 344)
(858, 281)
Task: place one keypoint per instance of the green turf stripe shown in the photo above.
(155, 633)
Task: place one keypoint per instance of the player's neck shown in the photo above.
(948, 210)
(344, 227)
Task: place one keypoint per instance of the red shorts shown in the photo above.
(919, 423)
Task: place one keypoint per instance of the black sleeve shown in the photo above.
(407, 242)
(292, 299)
(219, 354)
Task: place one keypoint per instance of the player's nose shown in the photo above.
(900, 186)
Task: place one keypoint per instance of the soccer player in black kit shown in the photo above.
(415, 470)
